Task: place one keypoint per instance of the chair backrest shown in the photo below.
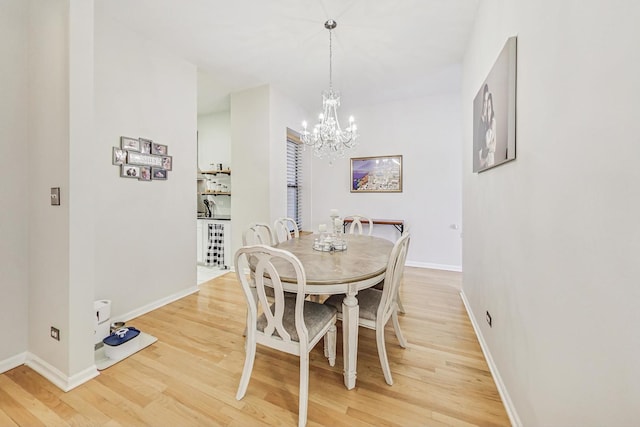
(282, 229)
(393, 276)
(356, 224)
(257, 234)
(265, 262)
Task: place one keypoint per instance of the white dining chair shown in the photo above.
(381, 284)
(258, 234)
(290, 325)
(356, 224)
(282, 229)
(401, 309)
(378, 306)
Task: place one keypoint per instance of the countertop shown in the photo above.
(216, 217)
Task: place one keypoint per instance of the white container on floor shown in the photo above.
(121, 351)
(122, 343)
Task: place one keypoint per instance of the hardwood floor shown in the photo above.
(190, 375)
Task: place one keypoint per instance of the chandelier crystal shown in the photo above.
(327, 138)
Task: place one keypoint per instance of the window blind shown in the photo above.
(294, 177)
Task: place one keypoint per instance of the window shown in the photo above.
(294, 177)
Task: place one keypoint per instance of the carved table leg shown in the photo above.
(350, 314)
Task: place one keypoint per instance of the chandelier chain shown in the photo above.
(330, 62)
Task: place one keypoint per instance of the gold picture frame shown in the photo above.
(379, 174)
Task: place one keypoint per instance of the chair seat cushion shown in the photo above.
(316, 317)
(368, 301)
(268, 291)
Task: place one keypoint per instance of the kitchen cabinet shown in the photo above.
(199, 244)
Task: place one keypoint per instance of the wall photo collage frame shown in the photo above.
(142, 159)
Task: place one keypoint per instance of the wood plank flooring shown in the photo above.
(190, 375)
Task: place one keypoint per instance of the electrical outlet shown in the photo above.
(55, 333)
(489, 319)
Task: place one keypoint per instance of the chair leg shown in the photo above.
(244, 333)
(397, 330)
(330, 345)
(250, 350)
(400, 306)
(304, 390)
(382, 354)
(254, 292)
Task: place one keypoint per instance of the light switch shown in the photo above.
(55, 196)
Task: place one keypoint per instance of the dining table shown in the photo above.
(361, 265)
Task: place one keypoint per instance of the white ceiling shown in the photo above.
(382, 49)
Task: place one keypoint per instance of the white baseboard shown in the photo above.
(13, 362)
(445, 267)
(59, 379)
(66, 383)
(154, 305)
(504, 394)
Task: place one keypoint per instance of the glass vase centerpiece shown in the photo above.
(331, 241)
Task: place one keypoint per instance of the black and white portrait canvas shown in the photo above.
(494, 113)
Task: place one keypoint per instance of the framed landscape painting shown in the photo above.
(494, 113)
(382, 174)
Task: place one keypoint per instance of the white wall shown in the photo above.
(81, 191)
(51, 252)
(427, 133)
(14, 174)
(146, 230)
(250, 167)
(214, 140)
(551, 239)
(49, 167)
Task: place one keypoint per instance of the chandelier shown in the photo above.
(327, 138)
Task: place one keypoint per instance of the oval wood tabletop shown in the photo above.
(364, 258)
